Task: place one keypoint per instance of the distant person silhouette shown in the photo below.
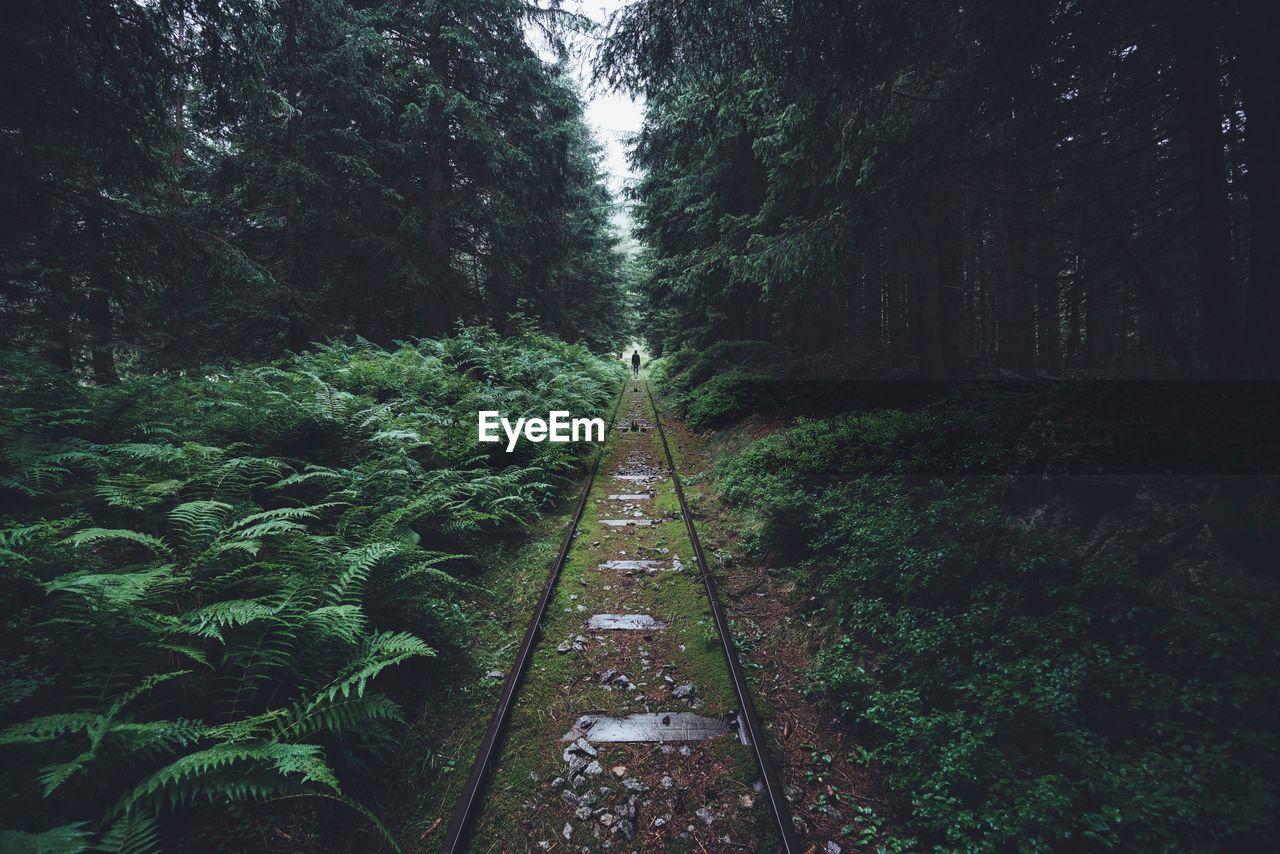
(635, 364)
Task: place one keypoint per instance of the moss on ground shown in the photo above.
(559, 687)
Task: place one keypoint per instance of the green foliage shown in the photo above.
(1015, 693)
(212, 581)
(723, 381)
(197, 181)
(728, 396)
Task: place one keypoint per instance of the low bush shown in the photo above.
(728, 396)
(725, 381)
(210, 578)
(1015, 695)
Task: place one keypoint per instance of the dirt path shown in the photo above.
(629, 633)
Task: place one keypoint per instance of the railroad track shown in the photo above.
(471, 799)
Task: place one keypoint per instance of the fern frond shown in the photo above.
(94, 536)
(135, 832)
(197, 774)
(199, 521)
(67, 839)
(377, 653)
(113, 588)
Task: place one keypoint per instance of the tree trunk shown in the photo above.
(179, 121)
(1016, 318)
(298, 328)
(1048, 317)
(98, 305)
(1259, 73)
(1196, 51)
(937, 284)
(437, 185)
(62, 297)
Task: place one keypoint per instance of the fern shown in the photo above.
(188, 778)
(200, 603)
(96, 536)
(67, 839)
(132, 833)
(376, 654)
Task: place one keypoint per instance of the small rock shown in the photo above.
(593, 770)
(661, 820)
(685, 751)
(567, 832)
(667, 782)
(682, 692)
(793, 792)
(631, 784)
(557, 782)
(569, 798)
(746, 802)
(583, 813)
(625, 829)
(619, 771)
(833, 848)
(574, 762)
(578, 781)
(707, 816)
(564, 647)
(493, 674)
(607, 818)
(544, 845)
(585, 747)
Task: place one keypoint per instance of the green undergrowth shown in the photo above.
(721, 382)
(1013, 692)
(225, 588)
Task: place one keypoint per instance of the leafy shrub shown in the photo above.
(728, 396)
(209, 579)
(1015, 695)
(722, 382)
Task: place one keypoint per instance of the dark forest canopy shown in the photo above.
(950, 187)
(196, 179)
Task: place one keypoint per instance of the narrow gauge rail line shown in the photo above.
(755, 730)
(455, 835)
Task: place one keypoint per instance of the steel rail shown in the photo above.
(769, 775)
(459, 822)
